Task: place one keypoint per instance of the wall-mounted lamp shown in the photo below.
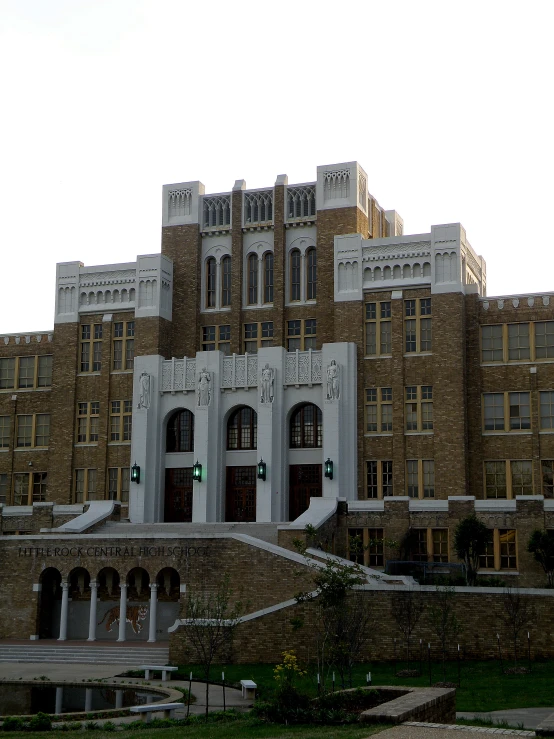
(197, 472)
(262, 469)
(135, 473)
(328, 469)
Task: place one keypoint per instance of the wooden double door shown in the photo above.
(178, 495)
(240, 495)
(304, 483)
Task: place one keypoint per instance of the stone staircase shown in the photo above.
(78, 653)
(264, 531)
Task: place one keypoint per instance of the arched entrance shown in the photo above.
(240, 491)
(305, 480)
(178, 480)
(50, 602)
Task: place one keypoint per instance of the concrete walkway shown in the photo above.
(430, 731)
(529, 718)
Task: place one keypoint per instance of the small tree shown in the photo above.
(541, 545)
(445, 624)
(407, 607)
(470, 541)
(517, 615)
(210, 623)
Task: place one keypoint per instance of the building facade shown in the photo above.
(288, 343)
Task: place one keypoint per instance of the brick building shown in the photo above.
(287, 344)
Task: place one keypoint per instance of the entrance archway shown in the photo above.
(50, 602)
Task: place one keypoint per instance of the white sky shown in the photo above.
(447, 105)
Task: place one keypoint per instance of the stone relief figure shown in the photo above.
(204, 388)
(333, 384)
(268, 380)
(144, 394)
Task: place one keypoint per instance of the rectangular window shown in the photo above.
(417, 325)
(544, 340)
(123, 345)
(379, 478)
(44, 374)
(378, 407)
(33, 430)
(87, 422)
(91, 347)
(419, 408)
(257, 335)
(301, 334)
(3, 488)
(85, 485)
(38, 483)
(5, 427)
(31, 372)
(21, 482)
(547, 467)
(366, 547)
(430, 545)
(118, 483)
(420, 478)
(26, 374)
(7, 372)
(506, 412)
(378, 332)
(507, 478)
(547, 409)
(518, 341)
(268, 277)
(29, 488)
(120, 420)
(216, 338)
(501, 551)
(492, 349)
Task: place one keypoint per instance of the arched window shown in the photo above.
(180, 432)
(242, 429)
(210, 282)
(226, 281)
(306, 428)
(311, 274)
(268, 277)
(295, 275)
(252, 279)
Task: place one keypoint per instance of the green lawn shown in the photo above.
(483, 686)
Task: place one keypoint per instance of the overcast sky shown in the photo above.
(447, 105)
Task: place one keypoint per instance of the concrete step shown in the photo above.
(264, 531)
(84, 655)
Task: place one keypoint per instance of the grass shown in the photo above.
(242, 728)
(483, 686)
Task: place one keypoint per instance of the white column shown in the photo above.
(153, 612)
(59, 699)
(122, 612)
(88, 699)
(119, 699)
(64, 612)
(92, 612)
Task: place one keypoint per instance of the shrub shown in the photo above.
(109, 726)
(40, 722)
(13, 723)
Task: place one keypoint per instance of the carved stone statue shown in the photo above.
(268, 380)
(144, 390)
(204, 387)
(333, 382)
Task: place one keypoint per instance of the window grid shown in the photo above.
(301, 334)
(430, 545)
(29, 488)
(216, 338)
(295, 262)
(88, 413)
(506, 478)
(32, 430)
(225, 282)
(3, 488)
(378, 408)
(242, 429)
(5, 429)
(517, 342)
(210, 282)
(257, 335)
(546, 409)
(417, 325)
(366, 547)
(85, 485)
(120, 420)
(419, 408)
(311, 274)
(118, 483)
(378, 328)
(306, 428)
(379, 478)
(547, 470)
(506, 412)
(91, 347)
(268, 277)
(501, 551)
(420, 478)
(253, 279)
(123, 345)
(26, 373)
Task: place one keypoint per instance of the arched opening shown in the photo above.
(242, 429)
(295, 262)
(107, 610)
(79, 584)
(180, 432)
(169, 585)
(305, 479)
(226, 281)
(240, 495)
(138, 584)
(179, 438)
(311, 274)
(50, 603)
(252, 279)
(268, 277)
(210, 282)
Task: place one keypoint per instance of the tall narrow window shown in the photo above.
(123, 345)
(210, 282)
(226, 281)
(311, 275)
(295, 275)
(252, 279)
(268, 277)
(242, 429)
(306, 428)
(180, 432)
